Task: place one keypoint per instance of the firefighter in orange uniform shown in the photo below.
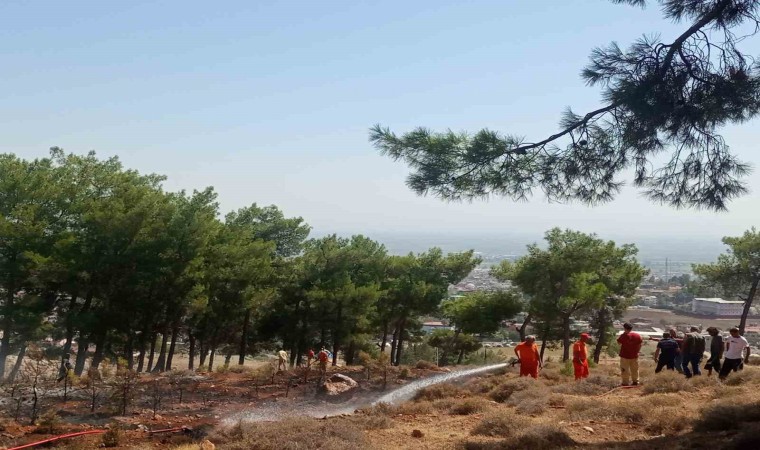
(580, 357)
(527, 353)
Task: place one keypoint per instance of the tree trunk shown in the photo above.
(191, 351)
(161, 363)
(211, 359)
(747, 305)
(152, 353)
(524, 327)
(601, 335)
(141, 357)
(173, 345)
(204, 352)
(17, 365)
(394, 343)
(543, 341)
(83, 343)
(244, 337)
(348, 355)
(400, 345)
(566, 338)
(83, 347)
(385, 337)
(100, 346)
(129, 353)
(70, 325)
(7, 324)
(461, 357)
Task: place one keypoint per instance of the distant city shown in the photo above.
(663, 256)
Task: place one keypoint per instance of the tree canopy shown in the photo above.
(657, 97)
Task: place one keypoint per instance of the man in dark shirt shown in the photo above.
(693, 351)
(666, 352)
(716, 351)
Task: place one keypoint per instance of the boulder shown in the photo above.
(338, 384)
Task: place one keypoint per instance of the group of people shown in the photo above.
(673, 352)
(685, 353)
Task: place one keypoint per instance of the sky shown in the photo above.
(271, 102)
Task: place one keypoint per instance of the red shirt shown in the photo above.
(630, 344)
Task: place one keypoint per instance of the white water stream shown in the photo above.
(314, 408)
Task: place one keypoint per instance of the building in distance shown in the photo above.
(717, 306)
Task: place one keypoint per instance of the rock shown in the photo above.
(338, 384)
(589, 429)
(141, 427)
(207, 445)
(417, 434)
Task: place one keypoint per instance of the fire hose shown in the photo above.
(84, 433)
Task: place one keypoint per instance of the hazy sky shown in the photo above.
(270, 102)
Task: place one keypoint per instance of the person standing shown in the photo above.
(282, 361)
(65, 369)
(679, 356)
(309, 357)
(630, 345)
(693, 351)
(735, 346)
(716, 351)
(580, 357)
(665, 355)
(527, 354)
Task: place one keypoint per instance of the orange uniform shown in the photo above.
(528, 354)
(580, 360)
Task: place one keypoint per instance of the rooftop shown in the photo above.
(718, 300)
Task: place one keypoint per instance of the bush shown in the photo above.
(727, 416)
(667, 381)
(425, 365)
(567, 369)
(498, 424)
(404, 373)
(49, 422)
(112, 437)
(543, 437)
(624, 410)
(468, 406)
(661, 420)
(504, 390)
(531, 401)
(293, 433)
(239, 369)
(746, 376)
(415, 408)
(439, 391)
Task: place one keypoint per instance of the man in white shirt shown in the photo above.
(735, 345)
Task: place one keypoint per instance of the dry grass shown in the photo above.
(667, 381)
(624, 410)
(415, 408)
(728, 416)
(440, 391)
(530, 401)
(505, 389)
(535, 437)
(593, 385)
(743, 377)
(467, 406)
(503, 423)
(293, 434)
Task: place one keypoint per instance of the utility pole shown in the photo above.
(667, 274)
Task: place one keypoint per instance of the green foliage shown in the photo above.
(482, 312)
(657, 96)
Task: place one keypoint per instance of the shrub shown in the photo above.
(745, 376)
(498, 424)
(112, 437)
(665, 400)
(661, 420)
(415, 408)
(749, 437)
(425, 365)
(239, 369)
(468, 406)
(543, 437)
(567, 369)
(727, 416)
(667, 381)
(504, 390)
(439, 391)
(531, 401)
(630, 411)
(49, 422)
(404, 373)
(293, 433)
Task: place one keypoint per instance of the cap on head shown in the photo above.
(585, 336)
(628, 326)
(734, 330)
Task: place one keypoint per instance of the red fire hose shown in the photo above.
(56, 438)
(84, 433)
